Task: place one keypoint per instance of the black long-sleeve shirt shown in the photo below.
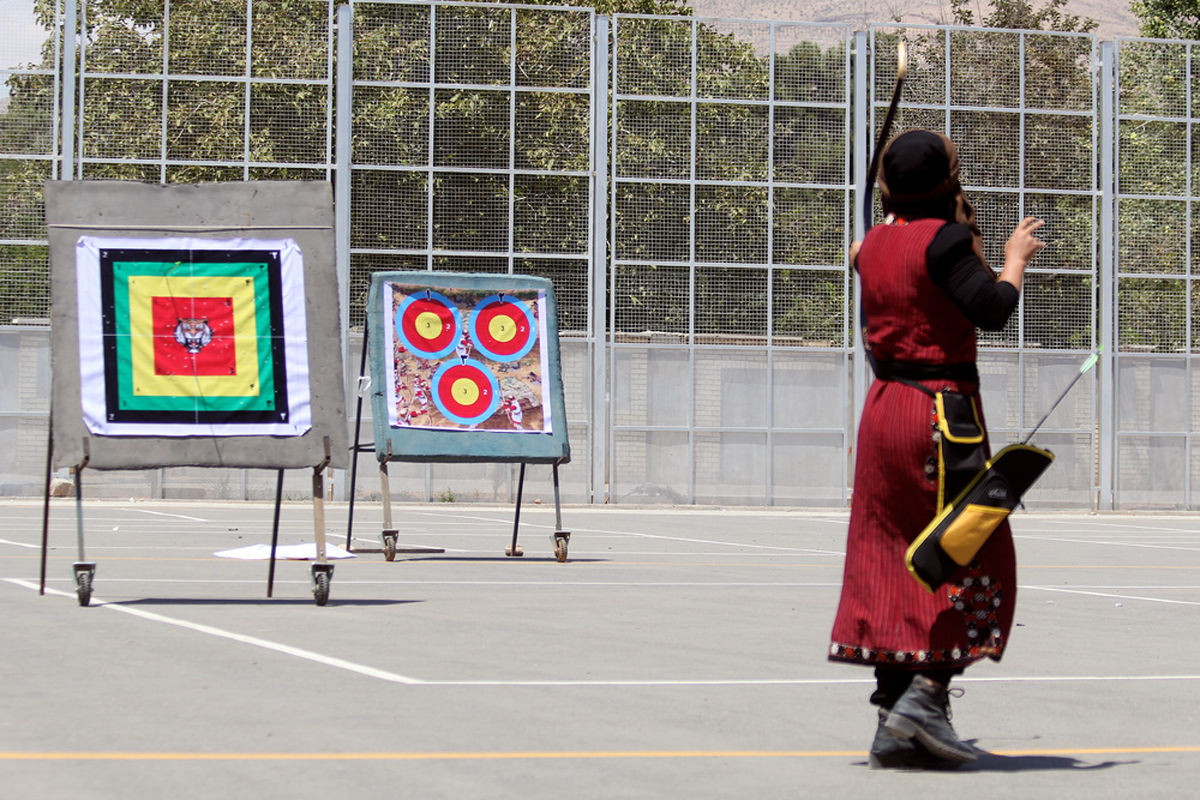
(956, 267)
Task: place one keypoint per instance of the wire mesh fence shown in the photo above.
(730, 214)
(690, 186)
(1022, 109)
(1156, 270)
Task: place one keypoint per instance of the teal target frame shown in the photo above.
(414, 442)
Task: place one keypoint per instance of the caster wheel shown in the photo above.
(84, 572)
(389, 545)
(322, 574)
(561, 540)
(514, 552)
(83, 587)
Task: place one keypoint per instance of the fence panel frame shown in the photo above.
(600, 353)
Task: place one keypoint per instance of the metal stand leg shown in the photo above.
(362, 368)
(46, 503)
(322, 570)
(560, 537)
(274, 534)
(84, 570)
(390, 533)
(515, 549)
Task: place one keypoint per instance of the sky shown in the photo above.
(20, 36)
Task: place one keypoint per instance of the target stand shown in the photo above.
(192, 327)
(462, 368)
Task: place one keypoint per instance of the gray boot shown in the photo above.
(891, 752)
(923, 713)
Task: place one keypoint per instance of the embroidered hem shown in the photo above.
(952, 657)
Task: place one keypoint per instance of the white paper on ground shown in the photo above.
(305, 551)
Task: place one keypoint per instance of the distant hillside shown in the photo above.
(1114, 16)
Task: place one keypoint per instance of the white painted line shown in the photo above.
(254, 641)
(1098, 523)
(1077, 678)
(165, 514)
(1110, 544)
(149, 547)
(622, 584)
(578, 553)
(665, 682)
(805, 550)
(391, 677)
(808, 681)
(516, 584)
(108, 579)
(601, 531)
(20, 544)
(1155, 587)
(1111, 595)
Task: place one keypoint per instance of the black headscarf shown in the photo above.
(918, 178)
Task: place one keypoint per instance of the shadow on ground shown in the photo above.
(247, 601)
(994, 762)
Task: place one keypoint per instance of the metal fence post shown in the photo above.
(862, 134)
(69, 31)
(599, 449)
(344, 81)
(1107, 280)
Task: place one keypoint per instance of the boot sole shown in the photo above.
(905, 728)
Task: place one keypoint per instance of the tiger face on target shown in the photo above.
(193, 333)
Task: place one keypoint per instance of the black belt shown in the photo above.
(917, 371)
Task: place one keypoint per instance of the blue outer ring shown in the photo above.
(416, 350)
(437, 401)
(515, 302)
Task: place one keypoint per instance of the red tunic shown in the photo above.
(885, 616)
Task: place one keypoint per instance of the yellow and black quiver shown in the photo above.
(956, 535)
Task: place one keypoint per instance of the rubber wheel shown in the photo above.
(389, 548)
(321, 588)
(560, 549)
(83, 587)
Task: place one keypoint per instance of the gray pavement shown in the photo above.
(679, 653)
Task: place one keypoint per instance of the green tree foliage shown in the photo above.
(28, 138)
(769, 186)
(211, 129)
(760, 196)
(1023, 15)
(1168, 19)
(1001, 148)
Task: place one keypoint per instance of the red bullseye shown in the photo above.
(465, 392)
(503, 330)
(428, 324)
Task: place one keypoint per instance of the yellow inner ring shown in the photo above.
(428, 325)
(502, 328)
(465, 391)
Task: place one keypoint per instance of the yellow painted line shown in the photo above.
(481, 756)
(1108, 566)
(1099, 751)
(543, 755)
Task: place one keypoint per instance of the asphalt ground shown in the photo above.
(678, 653)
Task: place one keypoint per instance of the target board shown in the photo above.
(192, 337)
(466, 359)
(465, 367)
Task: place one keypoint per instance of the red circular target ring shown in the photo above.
(501, 328)
(428, 324)
(466, 391)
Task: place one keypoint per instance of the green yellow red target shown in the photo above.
(502, 328)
